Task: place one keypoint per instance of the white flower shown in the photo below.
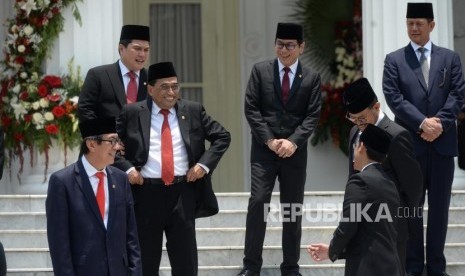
(18, 108)
(28, 30)
(37, 118)
(29, 6)
(34, 76)
(74, 99)
(49, 116)
(44, 102)
(14, 29)
(35, 105)
(16, 88)
(21, 48)
(23, 75)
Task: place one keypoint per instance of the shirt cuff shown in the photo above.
(205, 168)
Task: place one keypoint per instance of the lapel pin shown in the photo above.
(113, 186)
(145, 83)
(183, 117)
(300, 76)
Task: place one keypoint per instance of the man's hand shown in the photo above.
(318, 251)
(195, 173)
(273, 145)
(286, 148)
(432, 129)
(135, 178)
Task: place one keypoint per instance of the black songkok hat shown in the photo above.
(358, 96)
(376, 139)
(139, 32)
(289, 31)
(96, 127)
(161, 70)
(420, 10)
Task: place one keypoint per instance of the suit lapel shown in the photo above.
(142, 85)
(434, 64)
(273, 70)
(84, 184)
(414, 64)
(116, 79)
(111, 200)
(183, 121)
(297, 81)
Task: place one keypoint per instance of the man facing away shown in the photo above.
(109, 87)
(424, 86)
(170, 169)
(400, 164)
(282, 107)
(91, 227)
(366, 240)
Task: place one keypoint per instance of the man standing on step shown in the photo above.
(424, 86)
(108, 88)
(282, 107)
(170, 169)
(91, 227)
(366, 235)
(363, 108)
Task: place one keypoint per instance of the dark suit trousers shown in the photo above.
(438, 172)
(170, 209)
(266, 166)
(2, 261)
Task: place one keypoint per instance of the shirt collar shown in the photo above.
(427, 46)
(293, 67)
(156, 109)
(125, 70)
(90, 170)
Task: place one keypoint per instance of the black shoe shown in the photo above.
(247, 272)
(413, 274)
(292, 274)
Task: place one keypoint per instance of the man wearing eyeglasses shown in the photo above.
(170, 169)
(282, 107)
(363, 109)
(424, 86)
(91, 226)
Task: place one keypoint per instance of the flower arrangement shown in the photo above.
(36, 109)
(348, 65)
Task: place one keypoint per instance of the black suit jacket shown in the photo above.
(369, 247)
(79, 243)
(401, 165)
(269, 117)
(133, 126)
(103, 93)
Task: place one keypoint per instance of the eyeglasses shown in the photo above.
(290, 46)
(112, 141)
(361, 119)
(167, 87)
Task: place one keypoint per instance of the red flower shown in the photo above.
(52, 81)
(54, 97)
(51, 129)
(6, 121)
(58, 111)
(18, 136)
(20, 60)
(27, 118)
(55, 10)
(42, 91)
(23, 96)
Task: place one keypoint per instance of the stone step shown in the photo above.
(226, 201)
(225, 218)
(22, 258)
(335, 269)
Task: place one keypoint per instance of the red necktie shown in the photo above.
(285, 86)
(167, 162)
(101, 193)
(132, 88)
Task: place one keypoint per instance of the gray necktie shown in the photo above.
(424, 64)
